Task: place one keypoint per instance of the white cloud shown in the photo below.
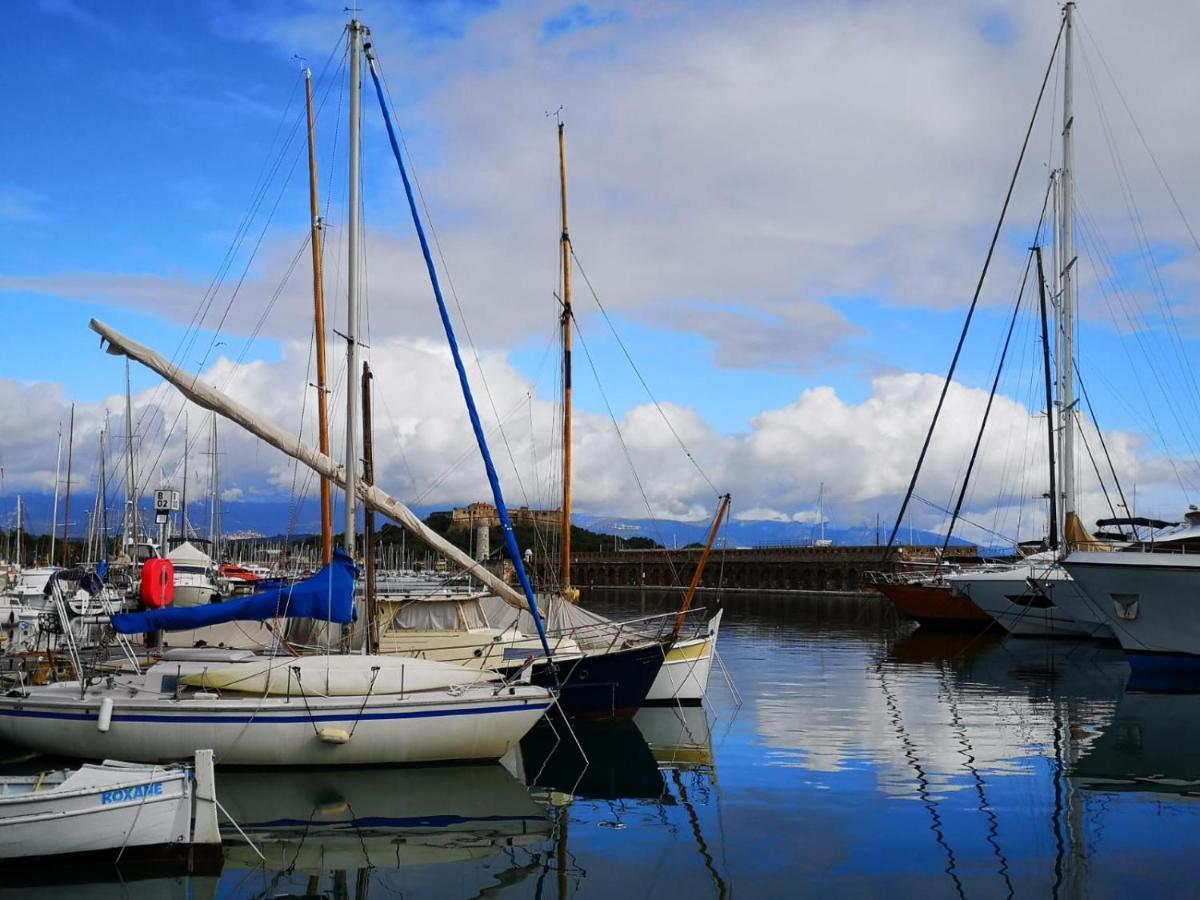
(862, 453)
(761, 158)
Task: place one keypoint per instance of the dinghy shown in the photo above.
(113, 806)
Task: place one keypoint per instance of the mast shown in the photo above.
(565, 323)
(66, 548)
(216, 478)
(821, 508)
(20, 525)
(1052, 537)
(1067, 302)
(102, 512)
(700, 564)
(352, 276)
(319, 323)
(368, 477)
(57, 477)
(183, 524)
(131, 514)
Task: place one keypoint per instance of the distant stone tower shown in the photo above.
(483, 548)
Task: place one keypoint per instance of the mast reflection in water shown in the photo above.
(867, 759)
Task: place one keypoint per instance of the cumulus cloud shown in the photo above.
(862, 453)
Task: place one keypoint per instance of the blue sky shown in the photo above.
(769, 200)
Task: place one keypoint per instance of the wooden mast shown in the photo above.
(567, 591)
(699, 573)
(319, 324)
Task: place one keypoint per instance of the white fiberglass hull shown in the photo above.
(194, 591)
(1150, 600)
(1019, 607)
(98, 807)
(466, 724)
(683, 677)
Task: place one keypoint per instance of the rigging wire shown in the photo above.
(987, 411)
(646, 387)
(978, 290)
(629, 459)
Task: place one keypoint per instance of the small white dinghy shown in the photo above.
(113, 806)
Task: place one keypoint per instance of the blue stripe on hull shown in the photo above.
(267, 718)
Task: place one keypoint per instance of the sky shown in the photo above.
(779, 211)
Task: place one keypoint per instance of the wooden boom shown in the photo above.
(211, 399)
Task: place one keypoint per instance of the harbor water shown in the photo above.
(864, 759)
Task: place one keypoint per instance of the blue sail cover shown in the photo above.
(328, 596)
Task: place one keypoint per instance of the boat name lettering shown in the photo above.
(121, 795)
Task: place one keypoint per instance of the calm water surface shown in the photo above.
(862, 760)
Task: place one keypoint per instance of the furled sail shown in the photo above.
(327, 596)
(210, 398)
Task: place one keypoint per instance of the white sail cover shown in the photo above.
(211, 399)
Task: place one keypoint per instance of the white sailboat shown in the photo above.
(272, 710)
(1034, 597)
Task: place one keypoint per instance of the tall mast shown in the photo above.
(131, 514)
(183, 523)
(66, 548)
(1052, 519)
(319, 323)
(352, 275)
(566, 324)
(57, 477)
(102, 512)
(1067, 302)
(20, 525)
(215, 525)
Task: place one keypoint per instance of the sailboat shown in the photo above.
(1036, 596)
(686, 660)
(268, 709)
(617, 665)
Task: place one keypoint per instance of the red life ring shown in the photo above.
(158, 583)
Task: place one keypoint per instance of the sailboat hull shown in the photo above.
(608, 685)
(683, 677)
(934, 607)
(270, 731)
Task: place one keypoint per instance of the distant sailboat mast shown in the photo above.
(131, 515)
(66, 547)
(54, 513)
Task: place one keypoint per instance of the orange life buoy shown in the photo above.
(158, 583)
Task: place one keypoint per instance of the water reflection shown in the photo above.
(867, 760)
(1150, 746)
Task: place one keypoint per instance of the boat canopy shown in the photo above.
(1135, 520)
(327, 596)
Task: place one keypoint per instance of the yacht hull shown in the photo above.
(1149, 599)
(1020, 608)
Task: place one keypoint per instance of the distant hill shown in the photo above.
(272, 517)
